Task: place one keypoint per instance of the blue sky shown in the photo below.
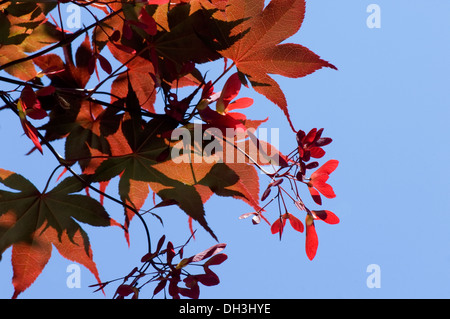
(386, 109)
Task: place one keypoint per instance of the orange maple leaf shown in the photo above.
(259, 53)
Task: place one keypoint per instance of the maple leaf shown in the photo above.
(278, 225)
(141, 166)
(310, 145)
(259, 53)
(32, 221)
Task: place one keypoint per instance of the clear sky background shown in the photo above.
(387, 110)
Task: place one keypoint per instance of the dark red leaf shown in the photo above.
(149, 256)
(135, 269)
(192, 293)
(126, 31)
(190, 281)
(124, 290)
(318, 135)
(163, 156)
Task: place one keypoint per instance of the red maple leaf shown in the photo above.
(259, 53)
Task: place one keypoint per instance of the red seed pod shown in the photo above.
(312, 165)
(124, 290)
(265, 194)
(104, 63)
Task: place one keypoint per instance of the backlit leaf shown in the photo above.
(259, 53)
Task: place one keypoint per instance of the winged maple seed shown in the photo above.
(167, 130)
